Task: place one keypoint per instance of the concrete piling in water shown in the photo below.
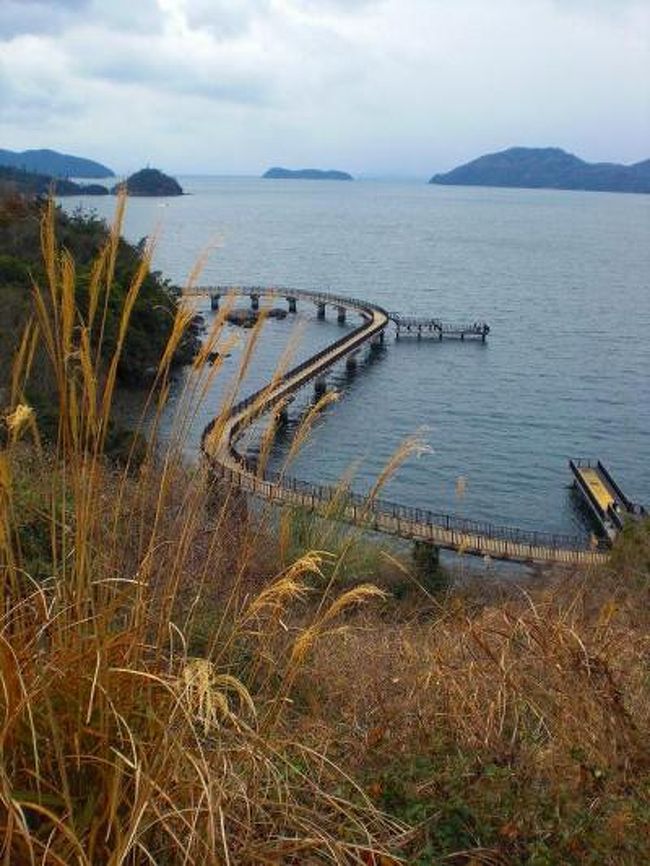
(320, 387)
(340, 316)
(426, 562)
(292, 304)
(255, 302)
(320, 310)
(214, 300)
(282, 417)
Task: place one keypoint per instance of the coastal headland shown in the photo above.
(548, 168)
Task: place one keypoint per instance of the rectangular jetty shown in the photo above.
(423, 326)
(607, 503)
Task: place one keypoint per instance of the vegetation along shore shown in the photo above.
(187, 680)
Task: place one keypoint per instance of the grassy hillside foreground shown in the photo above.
(182, 683)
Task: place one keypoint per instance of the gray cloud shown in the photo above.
(174, 75)
(610, 7)
(56, 4)
(140, 16)
(37, 96)
(398, 86)
(37, 16)
(339, 6)
(223, 18)
(21, 17)
(192, 64)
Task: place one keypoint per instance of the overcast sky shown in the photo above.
(375, 87)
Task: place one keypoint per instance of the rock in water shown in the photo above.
(242, 318)
(149, 182)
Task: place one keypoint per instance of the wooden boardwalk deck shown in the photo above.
(605, 500)
(424, 326)
(441, 530)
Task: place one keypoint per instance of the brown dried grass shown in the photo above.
(143, 682)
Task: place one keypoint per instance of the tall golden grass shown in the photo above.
(182, 683)
(145, 675)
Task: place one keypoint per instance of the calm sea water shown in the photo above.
(561, 277)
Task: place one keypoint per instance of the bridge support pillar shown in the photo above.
(255, 302)
(426, 562)
(282, 412)
(351, 362)
(377, 341)
(340, 315)
(214, 300)
(419, 332)
(292, 304)
(320, 310)
(320, 387)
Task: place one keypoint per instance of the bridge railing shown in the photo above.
(286, 291)
(408, 322)
(354, 338)
(323, 495)
(243, 474)
(414, 320)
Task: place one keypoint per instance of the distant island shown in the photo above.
(55, 164)
(149, 182)
(306, 174)
(31, 183)
(548, 168)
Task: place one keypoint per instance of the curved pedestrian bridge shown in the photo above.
(446, 531)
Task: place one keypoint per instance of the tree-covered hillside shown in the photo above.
(32, 183)
(83, 236)
(51, 162)
(149, 182)
(547, 168)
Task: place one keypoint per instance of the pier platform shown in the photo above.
(607, 503)
(423, 326)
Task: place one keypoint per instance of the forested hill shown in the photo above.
(548, 168)
(53, 163)
(278, 173)
(29, 183)
(83, 236)
(149, 182)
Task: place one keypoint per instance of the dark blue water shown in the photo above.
(562, 278)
